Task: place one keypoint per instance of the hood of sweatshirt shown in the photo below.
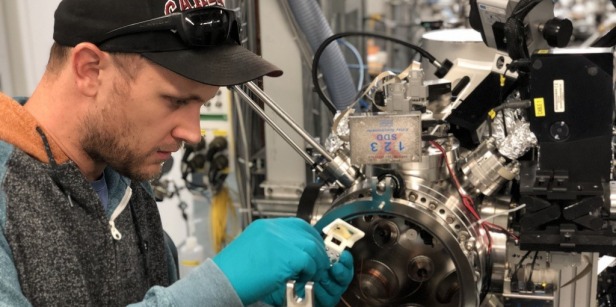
(19, 128)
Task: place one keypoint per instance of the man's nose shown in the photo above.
(189, 129)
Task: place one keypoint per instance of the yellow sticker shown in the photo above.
(543, 51)
(492, 114)
(202, 132)
(539, 107)
(220, 132)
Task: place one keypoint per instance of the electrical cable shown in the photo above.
(502, 81)
(466, 199)
(502, 113)
(360, 94)
(394, 70)
(524, 8)
(489, 119)
(519, 265)
(192, 160)
(520, 207)
(522, 104)
(501, 229)
(532, 268)
(442, 68)
(515, 31)
(360, 62)
(366, 89)
(586, 270)
(523, 258)
(218, 219)
(221, 207)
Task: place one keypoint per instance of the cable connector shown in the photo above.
(340, 235)
(442, 68)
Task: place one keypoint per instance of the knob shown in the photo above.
(557, 32)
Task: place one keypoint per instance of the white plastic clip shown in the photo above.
(340, 235)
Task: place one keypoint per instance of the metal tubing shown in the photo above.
(270, 103)
(276, 128)
(246, 155)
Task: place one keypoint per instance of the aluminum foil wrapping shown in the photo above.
(333, 143)
(340, 132)
(342, 128)
(519, 140)
(511, 116)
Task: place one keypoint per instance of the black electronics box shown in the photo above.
(572, 93)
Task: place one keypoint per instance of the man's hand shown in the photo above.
(335, 281)
(271, 251)
(328, 286)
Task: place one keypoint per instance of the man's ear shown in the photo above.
(86, 64)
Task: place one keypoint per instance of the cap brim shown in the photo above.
(223, 65)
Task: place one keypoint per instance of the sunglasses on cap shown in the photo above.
(202, 27)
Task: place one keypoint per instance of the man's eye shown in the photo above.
(179, 102)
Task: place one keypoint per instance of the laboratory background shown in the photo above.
(464, 150)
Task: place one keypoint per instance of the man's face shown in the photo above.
(136, 124)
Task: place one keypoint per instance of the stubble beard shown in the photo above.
(110, 138)
(117, 151)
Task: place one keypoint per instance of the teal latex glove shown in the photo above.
(327, 290)
(335, 281)
(268, 253)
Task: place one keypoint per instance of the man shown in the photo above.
(121, 92)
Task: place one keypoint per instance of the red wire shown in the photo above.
(489, 238)
(467, 201)
(502, 229)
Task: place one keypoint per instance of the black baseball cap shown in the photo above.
(198, 39)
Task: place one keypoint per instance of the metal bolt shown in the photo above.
(463, 236)
(432, 206)
(412, 233)
(470, 244)
(449, 219)
(380, 186)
